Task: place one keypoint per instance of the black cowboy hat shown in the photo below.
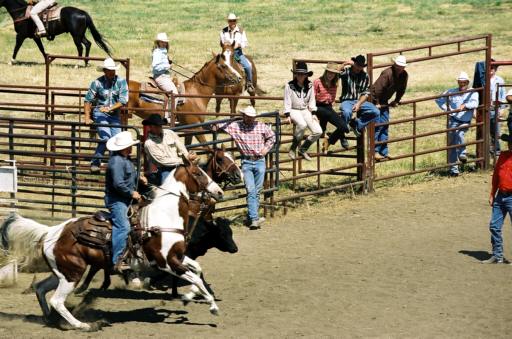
(360, 60)
(506, 137)
(154, 120)
(302, 68)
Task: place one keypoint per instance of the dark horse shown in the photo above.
(72, 20)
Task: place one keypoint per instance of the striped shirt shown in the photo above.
(252, 140)
(324, 95)
(104, 92)
(353, 85)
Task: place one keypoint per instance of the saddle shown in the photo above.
(51, 13)
(151, 85)
(95, 231)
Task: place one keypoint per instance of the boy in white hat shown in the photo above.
(467, 103)
(120, 189)
(161, 64)
(105, 97)
(233, 33)
(254, 140)
(392, 80)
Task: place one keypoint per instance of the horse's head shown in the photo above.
(222, 167)
(196, 180)
(224, 71)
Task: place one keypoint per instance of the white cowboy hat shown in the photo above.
(232, 16)
(109, 64)
(121, 141)
(162, 37)
(400, 60)
(249, 111)
(463, 76)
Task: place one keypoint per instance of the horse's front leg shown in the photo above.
(39, 44)
(218, 102)
(90, 275)
(19, 41)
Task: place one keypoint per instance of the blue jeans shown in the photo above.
(495, 137)
(104, 133)
(254, 175)
(381, 132)
(246, 64)
(120, 227)
(501, 206)
(366, 114)
(456, 137)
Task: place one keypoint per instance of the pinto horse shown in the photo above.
(236, 89)
(72, 20)
(164, 247)
(204, 82)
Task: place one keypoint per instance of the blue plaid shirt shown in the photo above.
(103, 92)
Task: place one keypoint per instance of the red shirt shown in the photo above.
(502, 176)
(324, 95)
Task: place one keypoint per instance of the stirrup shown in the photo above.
(41, 34)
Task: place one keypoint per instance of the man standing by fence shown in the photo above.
(392, 80)
(254, 140)
(462, 109)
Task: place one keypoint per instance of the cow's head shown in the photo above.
(217, 234)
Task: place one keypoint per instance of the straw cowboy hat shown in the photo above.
(400, 60)
(162, 37)
(249, 111)
(121, 141)
(302, 68)
(154, 120)
(463, 76)
(232, 16)
(109, 64)
(332, 67)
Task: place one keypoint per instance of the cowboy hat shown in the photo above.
(359, 60)
(162, 37)
(249, 111)
(302, 68)
(232, 16)
(332, 67)
(154, 120)
(109, 64)
(121, 141)
(463, 76)
(400, 60)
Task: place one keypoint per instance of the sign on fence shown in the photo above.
(8, 177)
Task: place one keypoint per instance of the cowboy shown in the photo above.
(497, 95)
(40, 6)
(233, 33)
(464, 105)
(501, 201)
(164, 148)
(120, 189)
(161, 65)
(254, 140)
(299, 104)
(106, 95)
(392, 80)
(355, 82)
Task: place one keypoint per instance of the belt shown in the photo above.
(505, 192)
(252, 157)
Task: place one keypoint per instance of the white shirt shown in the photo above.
(237, 35)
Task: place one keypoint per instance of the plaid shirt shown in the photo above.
(104, 92)
(252, 140)
(353, 85)
(324, 95)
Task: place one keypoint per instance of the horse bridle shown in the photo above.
(223, 171)
(197, 77)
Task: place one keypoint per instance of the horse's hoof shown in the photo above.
(186, 298)
(84, 327)
(13, 62)
(214, 310)
(136, 283)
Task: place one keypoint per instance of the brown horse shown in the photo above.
(237, 89)
(164, 245)
(213, 75)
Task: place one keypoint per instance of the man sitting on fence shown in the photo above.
(105, 97)
(392, 80)
(355, 82)
(463, 105)
(164, 149)
(254, 140)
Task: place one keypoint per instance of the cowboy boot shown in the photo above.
(293, 148)
(303, 149)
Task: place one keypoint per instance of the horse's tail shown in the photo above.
(259, 91)
(98, 38)
(21, 237)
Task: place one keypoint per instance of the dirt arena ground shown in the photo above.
(400, 263)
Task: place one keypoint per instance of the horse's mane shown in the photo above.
(196, 74)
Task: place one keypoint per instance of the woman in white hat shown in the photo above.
(105, 97)
(161, 64)
(120, 189)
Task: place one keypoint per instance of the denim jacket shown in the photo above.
(120, 180)
(160, 64)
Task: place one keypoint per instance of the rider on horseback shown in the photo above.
(161, 64)
(234, 33)
(40, 6)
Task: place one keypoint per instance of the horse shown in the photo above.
(164, 244)
(237, 89)
(72, 20)
(204, 82)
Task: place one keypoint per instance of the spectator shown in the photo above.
(498, 90)
(299, 103)
(108, 93)
(392, 80)
(509, 119)
(325, 94)
(254, 140)
(501, 201)
(355, 82)
(462, 109)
